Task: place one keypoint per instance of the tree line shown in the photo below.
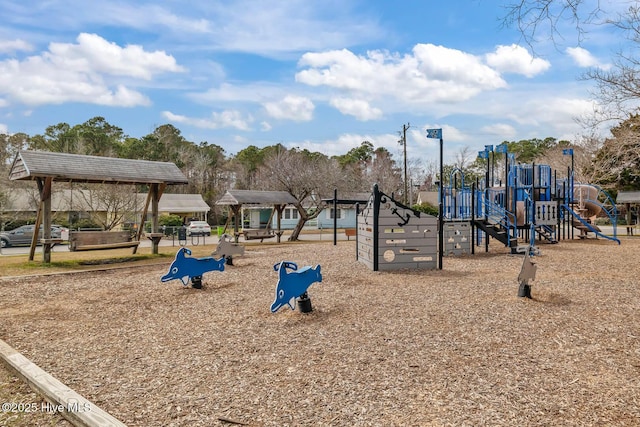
(312, 176)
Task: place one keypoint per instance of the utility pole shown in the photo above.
(403, 141)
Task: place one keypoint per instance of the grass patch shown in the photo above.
(121, 259)
(19, 265)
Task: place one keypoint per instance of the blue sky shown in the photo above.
(322, 75)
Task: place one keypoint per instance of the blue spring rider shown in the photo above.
(188, 268)
(293, 285)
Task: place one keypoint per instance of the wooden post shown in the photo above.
(236, 209)
(155, 199)
(278, 209)
(44, 209)
(143, 218)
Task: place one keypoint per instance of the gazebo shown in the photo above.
(46, 167)
(629, 198)
(235, 199)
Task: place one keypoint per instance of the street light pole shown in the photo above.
(403, 141)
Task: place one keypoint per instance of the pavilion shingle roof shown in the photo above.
(628, 197)
(263, 198)
(30, 165)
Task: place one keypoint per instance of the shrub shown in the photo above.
(427, 208)
(170, 220)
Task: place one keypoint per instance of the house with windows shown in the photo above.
(344, 214)
(258, 210)
(290, 217)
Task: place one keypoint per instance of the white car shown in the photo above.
(199, 228)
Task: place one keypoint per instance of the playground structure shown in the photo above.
(293, 285)
(393, 236)
(527, 272)
(227, 249)
(529, 204)
(186, 268)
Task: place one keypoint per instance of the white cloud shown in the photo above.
(81, 72)
(93, 54)
(430, 74)
(227, 92)
(297, 108)
(585, 59)
(358, 108)
(502, 130)
(16, 45)
(4, 129)
(265, 126)
(516, 59)
(552, 115)
(281, 27)
(225, 119)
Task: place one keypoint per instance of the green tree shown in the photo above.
(360, 156)
(97, 137)
(247, 162)
(57, 139)
(207, 169)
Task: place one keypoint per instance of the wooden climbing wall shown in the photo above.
(392, 236)
(457, 238)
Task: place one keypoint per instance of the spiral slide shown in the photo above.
(586, 208)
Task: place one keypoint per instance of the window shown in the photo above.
(330, 213)
(291, 213)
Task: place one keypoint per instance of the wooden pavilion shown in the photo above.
(631, 201)
(47, 167)
(235, 199)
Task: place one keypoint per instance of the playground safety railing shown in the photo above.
(457, 203)
(497, 214)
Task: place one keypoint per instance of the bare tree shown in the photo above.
(617, 87)
(108, 205)
(617, 163)
(383, 171)
(308, 177)
(544, 18)
(463, 157)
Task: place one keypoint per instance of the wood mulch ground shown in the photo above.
(439, 348)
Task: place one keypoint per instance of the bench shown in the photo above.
(97, 240)
(258, 234)
(349, 232)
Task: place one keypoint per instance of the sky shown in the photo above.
(318, 75)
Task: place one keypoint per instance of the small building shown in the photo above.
(263, 207)
(430, 197)
(345, 215)
(75, 204)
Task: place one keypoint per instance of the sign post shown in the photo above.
(437, 134)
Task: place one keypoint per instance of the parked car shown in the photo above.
(64, 231)
(24, 234)
(199, 228)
